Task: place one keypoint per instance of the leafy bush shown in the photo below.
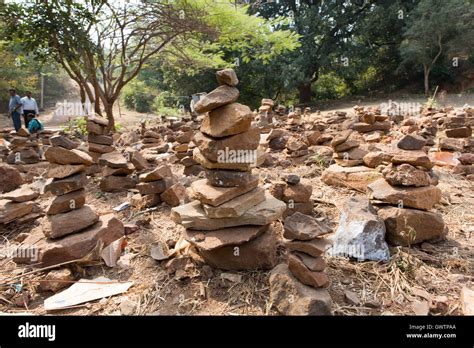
(330, 86)
(77, 126)
(137, 96)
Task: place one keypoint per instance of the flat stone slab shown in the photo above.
(222, 95)
(69, 201)
(229, 178)
(210, 240)
(259, 253)
(113, 160)
(59, 225)
(356, 178)
(10, 211)
(62, 186)
(304, 227)
(60, 171)
(243, 167)
(315, 247)
(193, 216)
(237, 206)
(22, 194)
(44, 252)
(215, 196)
(413, 197)
(59, 155)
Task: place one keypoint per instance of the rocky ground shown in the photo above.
(426, 278)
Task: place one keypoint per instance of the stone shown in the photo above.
(56, 280)
(461, 132)
(341, 137)
(161, 172)
(63, 141)
(373, 137)
(59, 155)
(316, 264)
(94, 128)
(10, 178)
(222, 95)
(185, 137)
(411, 142)
(229, 178)
(129, 169)
(98, 120)
(193, 170)
(452, 144)
(354, 154)
(237, 206)
(415, 158)
(214, 196)
(375, 158)
(117, 183)
(28, 156)
(377, 126)
(69, 201)
(315, 247)
(214, 149)
(351, 298)
(278, 143)
(151, 134)
(146, 201)
(139, 161)
(303, 227)
(346, 146)
(298, 193)
(71, 183)
(412, 197)
(113, 160)
(291, 179)
(466, 158)
(22, 194)
(467, 301)
(227, 120)
(303, 208)
(210, 240)
(203, 161)
(227, 77)
(99, 148)
(356, 178)
(59, 225)
(463, 169)
(100, 139)
(10, 211)
(361, 233)
(193, 216)
(23, 132)
(61, 171)
(406, 175)
(368, 118)
(159, 186)
(71, 247)
(174, 195)
(259, 253)
(313, 137)
(411, 226)
(290, 297)
(305, 275)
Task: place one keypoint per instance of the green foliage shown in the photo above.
(330, 86)
(137, 96)
(77, 126)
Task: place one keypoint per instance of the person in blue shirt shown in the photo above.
(34, 125)
(15, 109)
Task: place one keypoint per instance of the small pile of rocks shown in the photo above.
(24, 148)
(294, 193)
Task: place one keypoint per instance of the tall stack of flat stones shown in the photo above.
(347, 152)
(67, 212)
(230, 218)
(408, 191)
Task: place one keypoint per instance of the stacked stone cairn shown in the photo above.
(347, 150)
(116, 172)
(17, 204)
(370, 120)
(294, 193)
(408, 192)
(24, 148)
(98, 139)
(265, 115)
(157, 186)
(230, 218)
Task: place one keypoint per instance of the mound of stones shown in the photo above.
(370, 120)
(16, 205)
(98, 138)
(408, 192)
(24, 148)
(229, 219)
(117, 172)
(71, 229)
(295, 194)
(265, 115)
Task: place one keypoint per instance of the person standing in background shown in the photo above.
(14, 108)
(29, 107)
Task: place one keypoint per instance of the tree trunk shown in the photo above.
(108, 107)
(305, 93)
(97, 100)
(427, 80)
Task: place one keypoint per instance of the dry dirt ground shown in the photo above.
(430, 272)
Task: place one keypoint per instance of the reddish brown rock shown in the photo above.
(227, 120)
(315, 247)
(10, 178)
(215, 196)
(71, 183)
(59, 155)
(229, 178)
(72, 247)
(22, 194)
(227, 77)
(59, 225)
(174, 195)
(113, 160)
(117, 183)
(303, 227)
(305, 275)
(222, 95)
(411, 142)
(406, 175)
(100, 148)
(60, 171)
(67, 202)
(11, 211)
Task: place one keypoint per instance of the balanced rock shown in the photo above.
(315, 247)
(59, 155)
(113, 160)
(10, 211)
(303, 227)
(10, 178)
(71, 183)
(305, 275)
(316, 264)
(237, 206)
(63, 141)
(246, 165)
(356, 178)
(411, 142)
(69, 201)
(227, 120)
(227, 77)
(59, 225)
(406, 175)
(159, 173)
(215, 196)
(222, 95)
(229, 178)
(60, 171)
(117, 183)
(22, 194)
(100, 139)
